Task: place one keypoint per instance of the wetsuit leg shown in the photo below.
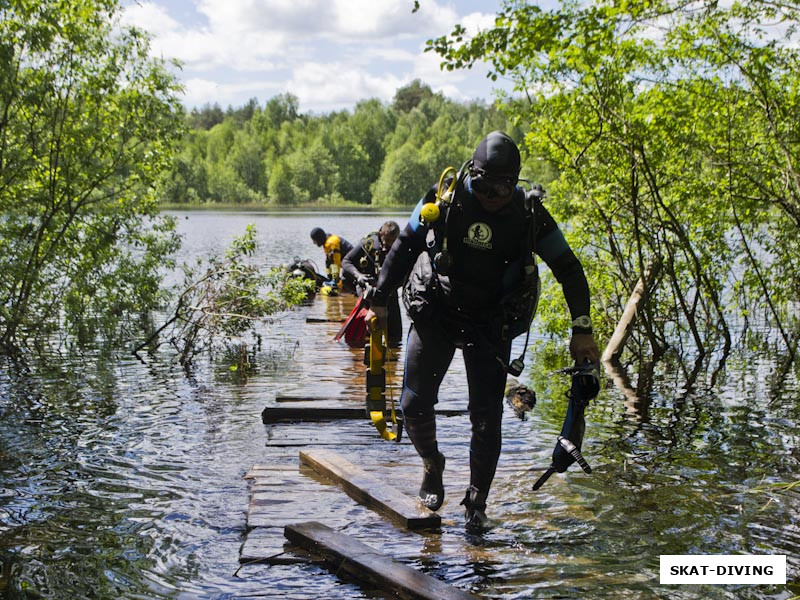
(428, 355)
(486, 378)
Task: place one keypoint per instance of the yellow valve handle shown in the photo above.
(430, 212)
(440, 197)
(377, 387)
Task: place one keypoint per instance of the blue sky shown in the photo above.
(328, 53)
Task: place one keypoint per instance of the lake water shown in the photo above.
(122, 478)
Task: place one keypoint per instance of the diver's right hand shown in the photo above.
(364, 286)
(378, 312)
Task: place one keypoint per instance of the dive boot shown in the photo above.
(474, 502)
(431, 492)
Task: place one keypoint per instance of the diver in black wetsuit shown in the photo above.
(361, 267)
(464, 271)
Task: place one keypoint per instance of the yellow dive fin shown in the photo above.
(375, 358)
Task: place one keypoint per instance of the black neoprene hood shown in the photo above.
(497, 155)
(318, 235)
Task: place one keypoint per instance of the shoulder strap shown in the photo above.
(530, 200)
(456, 203)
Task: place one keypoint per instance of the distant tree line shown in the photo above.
(379, 154)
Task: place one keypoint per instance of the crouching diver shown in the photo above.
(469, 253)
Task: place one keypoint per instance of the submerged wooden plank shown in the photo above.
(283, 414)
(356, 396)
(370, 491)
(265, 545)
(325, 320)
(343, 553)
(261, 471)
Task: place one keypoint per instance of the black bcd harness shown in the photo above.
(428, 285)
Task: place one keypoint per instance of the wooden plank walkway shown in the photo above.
(345, 554)
(280, 414)
(370, 491)
(301, 481)
(295, 485)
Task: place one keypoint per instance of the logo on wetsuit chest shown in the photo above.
(479, 235)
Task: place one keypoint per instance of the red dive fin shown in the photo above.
(350, 318)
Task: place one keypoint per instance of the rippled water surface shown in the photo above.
(122, 478)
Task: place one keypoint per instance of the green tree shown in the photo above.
(280, 184)
(314, 173)
(206, 117)
(221, 139)
(411, 95)
(371, 124)
(281, 109)
(187, 181)
(404, 179)
(246, 158)
(88, 122)
(351, 163)
(676, 149)
(332, 157)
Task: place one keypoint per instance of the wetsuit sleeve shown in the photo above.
(349, 262)
(553, 248)
(401, 257)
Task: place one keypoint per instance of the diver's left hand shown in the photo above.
(583, 348)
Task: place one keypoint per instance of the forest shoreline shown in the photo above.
(273, 208)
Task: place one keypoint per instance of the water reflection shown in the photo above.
(124, 479)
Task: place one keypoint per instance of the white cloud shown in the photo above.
(427, 67)
(289, 16)
(330, 53)
(342, 19)
(200, 91)
(382, 18)
(475, 22)
(150, 17)
(231, 46)
(330, 86)
(392, 54)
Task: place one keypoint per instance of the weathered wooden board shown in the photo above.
(269, 470)
(279, 497)
(370, 491)
(265, 545)
(346, 554)
(324, 320)
(282, 414)
(356, 396)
